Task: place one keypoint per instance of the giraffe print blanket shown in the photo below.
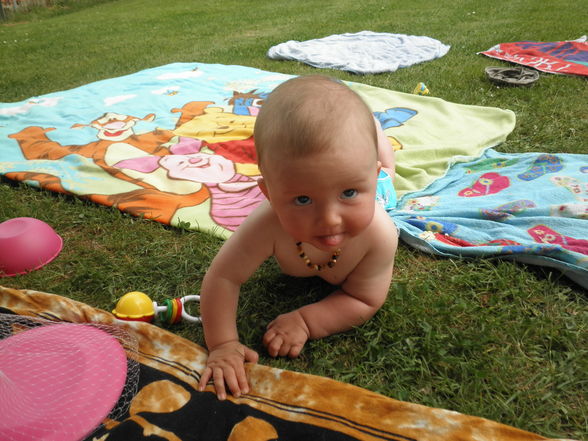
(282, 405)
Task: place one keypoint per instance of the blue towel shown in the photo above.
(530, 207)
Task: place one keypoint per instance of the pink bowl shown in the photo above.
(26, 244)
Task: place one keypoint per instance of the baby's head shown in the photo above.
(317, 150)
(312, 114)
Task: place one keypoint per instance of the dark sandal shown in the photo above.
(512, 76)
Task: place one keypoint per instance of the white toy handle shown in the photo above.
(185, 315)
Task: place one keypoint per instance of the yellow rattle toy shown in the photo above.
(137, 306)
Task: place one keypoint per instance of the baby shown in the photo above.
(320, 154)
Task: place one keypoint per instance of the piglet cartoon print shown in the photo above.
(233, 195)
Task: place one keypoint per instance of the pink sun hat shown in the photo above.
(59, 381)
(26, 244)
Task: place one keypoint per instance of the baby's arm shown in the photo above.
(386, 154)
(359, 298)
(237, 259)
(226, 358)
(338, 312)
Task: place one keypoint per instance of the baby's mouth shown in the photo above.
(331, 240)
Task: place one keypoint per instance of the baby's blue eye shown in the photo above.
(302, 200)
(348, 194)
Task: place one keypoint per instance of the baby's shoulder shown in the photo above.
(256, 236)
(261, 222)
(380, 239)
(263, 214)
(382, 224)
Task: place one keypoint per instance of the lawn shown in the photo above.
(490, 338)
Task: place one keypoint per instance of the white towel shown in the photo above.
(364, 52)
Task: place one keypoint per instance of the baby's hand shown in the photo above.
(225, 365)
(286, 335)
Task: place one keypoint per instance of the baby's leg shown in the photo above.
(385, 151)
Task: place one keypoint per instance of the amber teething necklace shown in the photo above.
(317, 266)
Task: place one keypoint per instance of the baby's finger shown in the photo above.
(233, 383)
(204, 378)
(219, 383)
(269, 336)
(273, 348)
(243, 382)
(295, 351)
(284, 350)
(250, 355)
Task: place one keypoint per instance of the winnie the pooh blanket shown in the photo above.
(175, 143)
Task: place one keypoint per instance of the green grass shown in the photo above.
(484, 337)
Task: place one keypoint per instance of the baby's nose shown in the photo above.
(329, 217)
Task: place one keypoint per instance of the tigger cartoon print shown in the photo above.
(159, 197)
(115, 127)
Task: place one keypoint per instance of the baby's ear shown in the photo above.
(263, 187)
